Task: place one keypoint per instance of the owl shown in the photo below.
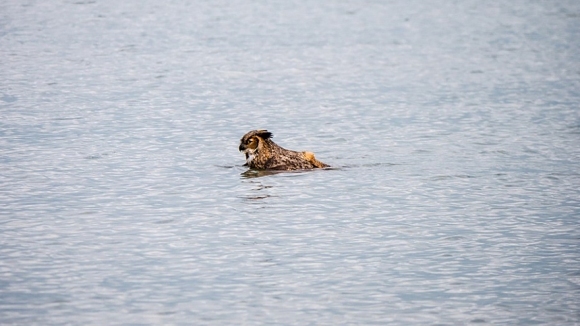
(263, 154)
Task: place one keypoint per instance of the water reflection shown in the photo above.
(258, 190)
(249, 174)
(264, 173)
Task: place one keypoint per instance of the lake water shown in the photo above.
(453, 130)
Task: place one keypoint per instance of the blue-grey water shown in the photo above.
(453, 129)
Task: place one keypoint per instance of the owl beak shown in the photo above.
(242, 147)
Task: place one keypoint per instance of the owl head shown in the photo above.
(253, 140)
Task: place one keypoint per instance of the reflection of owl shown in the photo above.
(262, 153)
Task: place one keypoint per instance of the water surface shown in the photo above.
(452, 129)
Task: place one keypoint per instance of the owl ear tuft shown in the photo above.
(265, 134)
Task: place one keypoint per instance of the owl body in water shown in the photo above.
(263, 154)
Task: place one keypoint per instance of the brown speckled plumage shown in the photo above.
(263, 154)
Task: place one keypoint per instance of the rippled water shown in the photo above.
(452, 129)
